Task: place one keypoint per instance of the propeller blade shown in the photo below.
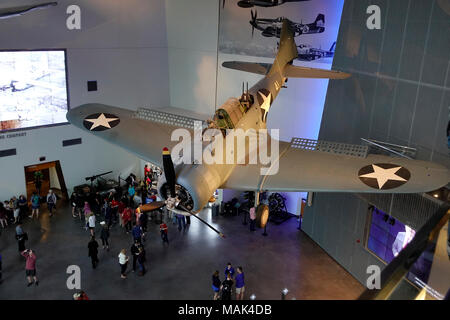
(210, 226)
(223, 4)
(169, 171)
(152, 206)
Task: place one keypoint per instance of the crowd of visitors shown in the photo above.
(115, 209)
(223, 290)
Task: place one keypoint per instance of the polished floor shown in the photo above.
(286, 258)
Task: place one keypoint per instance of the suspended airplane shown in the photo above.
(187, 187)
(272, 27)
(262, 3)
(308, 53)
(6, 13)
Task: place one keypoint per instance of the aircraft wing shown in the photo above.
(18, 11)
(144, 132)
(339, 168)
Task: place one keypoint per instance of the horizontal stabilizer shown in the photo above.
(290, 71)
(253, 67)
(302, 72)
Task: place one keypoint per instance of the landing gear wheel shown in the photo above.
(262, 215)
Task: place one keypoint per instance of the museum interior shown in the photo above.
(100, 201)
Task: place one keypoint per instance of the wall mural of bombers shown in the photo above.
(188, 186)
(267, 19)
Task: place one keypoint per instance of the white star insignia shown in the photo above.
(101, 121)
(266, 104)
(383, 175)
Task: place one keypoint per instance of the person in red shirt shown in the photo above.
(147, 170)
(164, 231)
(30, 266)
(126, 218)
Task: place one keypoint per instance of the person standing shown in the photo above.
(143, 221)
(21, 237)
(229, 270)
(91, 224)
(216, 284)
(240, 284)
(135, 253)
(23, 206)
(123, 261)
(1, 268)
(16, 209)
(104, 235)
(164, 232)
(93, 252)
(35, 205)
(226, 287)
(30, 266)
(181, 221)
(137, 233)
(3, 217)
(126, 217)
(252, 218)
(141, 260)
(51, 202)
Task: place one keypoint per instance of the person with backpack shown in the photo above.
(226, 287)
(51, 202)
(93, 252)
(35, 205)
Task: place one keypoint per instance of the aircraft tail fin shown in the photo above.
(320, 17)
(333, 46)
(287, 50)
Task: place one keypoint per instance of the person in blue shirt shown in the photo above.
(229, 270)
(240, 284)
(137, 233)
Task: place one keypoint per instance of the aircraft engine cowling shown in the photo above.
(194, 185)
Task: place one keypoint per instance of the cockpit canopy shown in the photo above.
(229, 114)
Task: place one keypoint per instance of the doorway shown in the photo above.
(42, 177)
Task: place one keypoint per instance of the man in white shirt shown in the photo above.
(91, 223)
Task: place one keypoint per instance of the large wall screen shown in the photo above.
(33, 89)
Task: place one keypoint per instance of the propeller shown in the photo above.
(169, 173)
(254, 16)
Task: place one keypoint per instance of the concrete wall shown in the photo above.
(398, 93)
(122, 45)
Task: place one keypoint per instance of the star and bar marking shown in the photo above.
(101, 121)
(383, 176)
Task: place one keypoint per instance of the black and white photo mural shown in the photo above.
(250, 27)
